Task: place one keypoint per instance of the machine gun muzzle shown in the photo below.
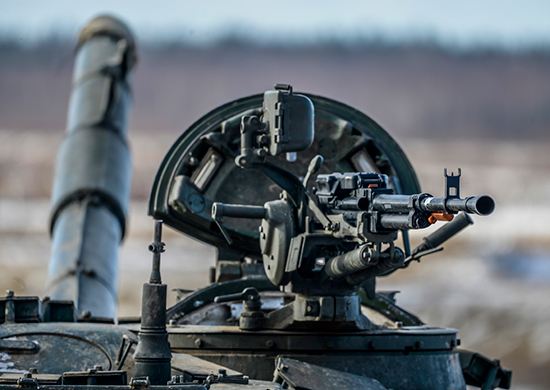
(480, 205)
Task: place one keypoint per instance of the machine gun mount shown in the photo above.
(325, 250)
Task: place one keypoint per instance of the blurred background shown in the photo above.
(456, 84)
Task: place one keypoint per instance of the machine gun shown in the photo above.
(362, 208)
(327, 249)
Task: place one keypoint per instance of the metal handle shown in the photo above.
(220, 210)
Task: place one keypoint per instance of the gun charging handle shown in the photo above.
(249, 294)
(220, 210)
(314, 166)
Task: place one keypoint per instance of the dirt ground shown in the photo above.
(492, 283)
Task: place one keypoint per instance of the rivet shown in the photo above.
(198, 343)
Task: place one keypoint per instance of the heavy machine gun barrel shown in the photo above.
(389, 203)
(369, 192)
(91, 188)
(480, 205)
(396, 209)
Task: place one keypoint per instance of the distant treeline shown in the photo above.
(420, 90)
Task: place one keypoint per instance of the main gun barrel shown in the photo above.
(91, 188)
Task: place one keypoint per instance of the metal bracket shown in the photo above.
(27, 381)
(222, 377)
(287, 88)
(125, 346)
(140, 382)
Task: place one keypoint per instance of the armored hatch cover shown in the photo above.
(199, 169)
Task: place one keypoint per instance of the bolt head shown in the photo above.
(263, 139)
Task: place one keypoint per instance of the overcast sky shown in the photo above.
(465, 23)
